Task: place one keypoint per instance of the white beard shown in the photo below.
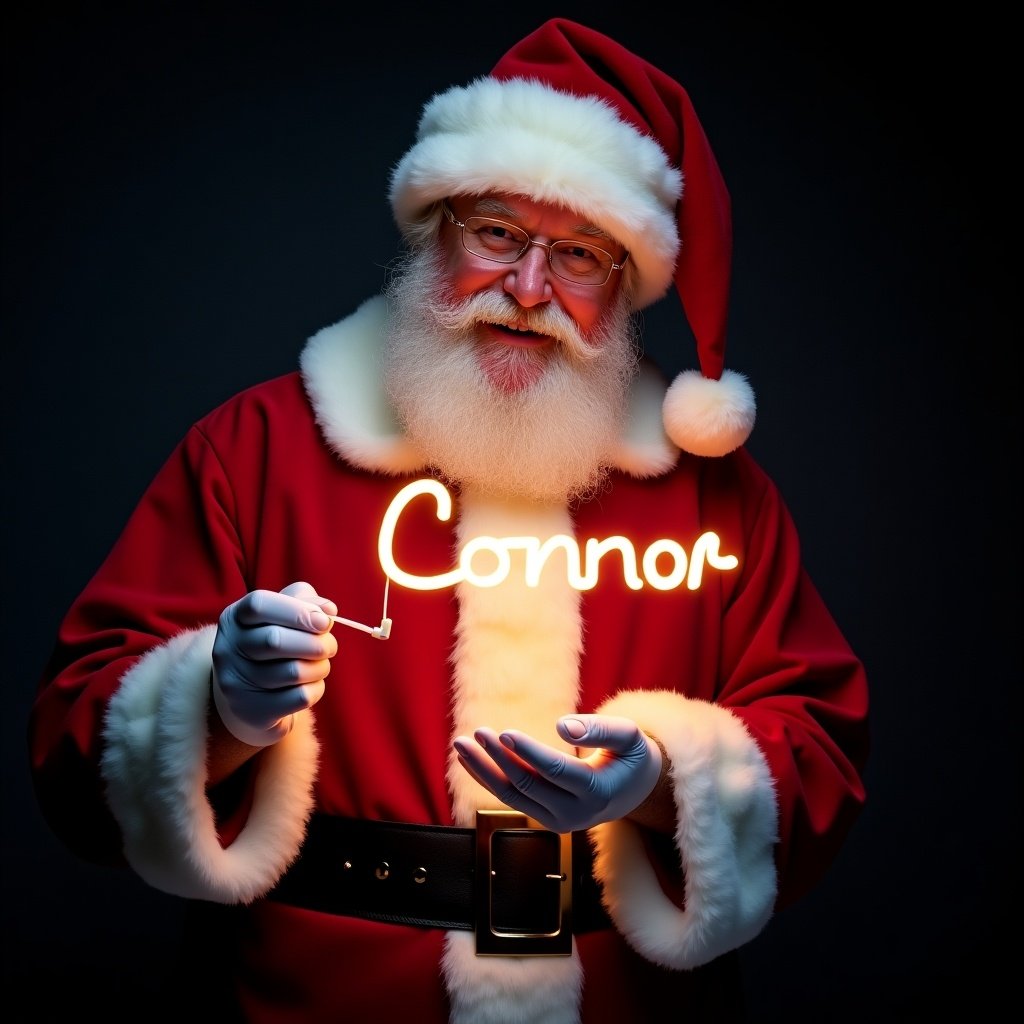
(539, 424)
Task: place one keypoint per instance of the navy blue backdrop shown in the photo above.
(190, 191)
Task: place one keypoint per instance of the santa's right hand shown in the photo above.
(270, 658)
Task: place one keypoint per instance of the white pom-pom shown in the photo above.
(709, 417)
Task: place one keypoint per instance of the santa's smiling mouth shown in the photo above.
(515, 335)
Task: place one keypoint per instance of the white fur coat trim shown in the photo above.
(726, 829)
(510, 989)
(342, 374)
(154, 766)
(517, 648)
(343, 377)
(515, 665)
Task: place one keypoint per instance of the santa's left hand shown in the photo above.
(565, 792)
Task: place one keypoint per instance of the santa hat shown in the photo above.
(570, 117)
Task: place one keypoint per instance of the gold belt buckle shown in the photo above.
(492, 940)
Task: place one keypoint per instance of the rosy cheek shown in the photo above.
(586, 315)
(463, 275)
(591, 311)
(466, 280)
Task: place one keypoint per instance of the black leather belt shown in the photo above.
(522, 889)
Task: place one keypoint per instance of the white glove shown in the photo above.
(270, 658)
(562, 791)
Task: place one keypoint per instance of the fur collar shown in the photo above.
(341, 374)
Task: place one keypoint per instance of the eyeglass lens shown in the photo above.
(572, 261)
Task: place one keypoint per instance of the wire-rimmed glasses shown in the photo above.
(570, 259)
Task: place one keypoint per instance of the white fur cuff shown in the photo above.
(154, 764)
(725, 834)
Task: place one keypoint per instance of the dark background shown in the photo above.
(190, 192)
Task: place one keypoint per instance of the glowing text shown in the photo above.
(582, 570)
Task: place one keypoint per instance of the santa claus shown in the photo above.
(536, 792)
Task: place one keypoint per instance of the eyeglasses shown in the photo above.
(572, 261)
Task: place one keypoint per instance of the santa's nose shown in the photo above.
(529, 278)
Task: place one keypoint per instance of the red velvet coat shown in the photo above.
(746, 681)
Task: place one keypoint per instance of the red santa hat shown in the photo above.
(569, 116)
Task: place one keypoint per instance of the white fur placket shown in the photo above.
(515, 665)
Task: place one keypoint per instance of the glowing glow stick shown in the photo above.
(381, 632)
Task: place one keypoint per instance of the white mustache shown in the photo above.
(486, 307)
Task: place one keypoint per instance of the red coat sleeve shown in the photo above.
(761, 705)
(791, 677)
(174, 568)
